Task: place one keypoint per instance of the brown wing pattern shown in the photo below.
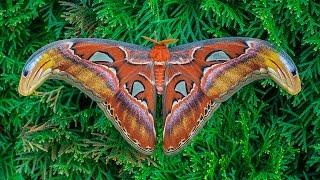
(116, 75)
(201, 75)
(186, 106)
(120, 78)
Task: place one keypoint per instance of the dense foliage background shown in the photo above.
(261, 132)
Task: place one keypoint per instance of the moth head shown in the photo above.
(281, 69)
(37, 69)
(160, 51)
(165, 42)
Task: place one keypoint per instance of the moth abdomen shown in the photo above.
(159, 74)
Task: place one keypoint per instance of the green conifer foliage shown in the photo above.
(260, 133)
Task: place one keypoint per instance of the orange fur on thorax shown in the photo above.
(160, 53)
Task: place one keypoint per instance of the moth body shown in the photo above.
(160, 54)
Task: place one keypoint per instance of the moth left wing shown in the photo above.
(117, 75)
(201, 75)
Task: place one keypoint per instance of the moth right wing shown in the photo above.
(201, 75)
(118, 76)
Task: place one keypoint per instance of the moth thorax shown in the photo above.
(160, 53)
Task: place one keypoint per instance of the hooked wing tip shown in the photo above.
(283, 71)
(37, 69)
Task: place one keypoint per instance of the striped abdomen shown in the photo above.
(159, 71)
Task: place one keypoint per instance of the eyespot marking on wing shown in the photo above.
(101, 57)
(216, 56)
(137, 88)
(286, 60)
(30, 65)
(181, 88)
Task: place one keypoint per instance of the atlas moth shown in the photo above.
(193, 79)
